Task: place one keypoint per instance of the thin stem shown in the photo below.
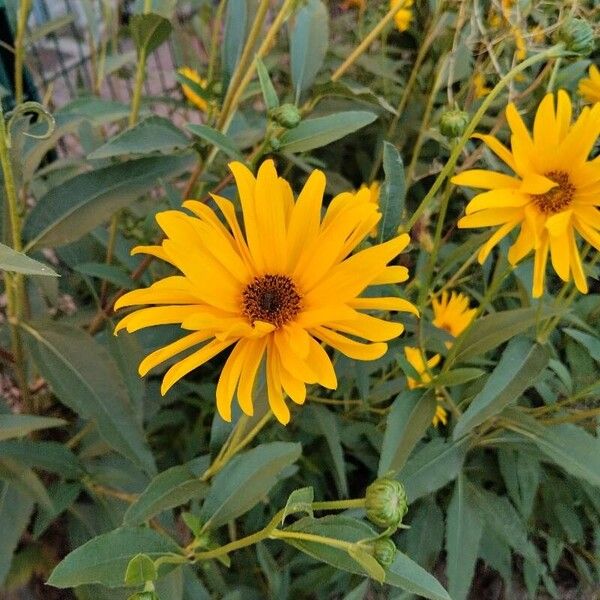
(552, 80)
(140, 75)
(339, 504)
(311, 537)
(22, 15)
(489, 99)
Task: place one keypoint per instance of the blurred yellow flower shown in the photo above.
(277, 289)
(192, 96)
(538, 34)
(416, 360)
(404, 16)
(553, 194)
(441, 416)
(374, 190)
(589, 87)
(520, 47)
(479, 88)
(452, 313)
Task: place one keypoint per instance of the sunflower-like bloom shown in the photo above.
(404, 16)
(189, 93)
(277, 288)
(416, 360)
(374, 190)
(589, 87)
(452, 313)
(553, 193)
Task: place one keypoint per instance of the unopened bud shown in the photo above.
(384, 551)
(386, 502)
(578, 36)
(453, 123)
(286, 115)
(275, 143)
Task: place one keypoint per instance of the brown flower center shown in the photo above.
(559, 197)
(271, 298)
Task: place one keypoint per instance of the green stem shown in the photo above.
(140, 75)
(552, 80)
(339, 504)
(489, 99)
(15, 285)
(22, 13)
(311, 537)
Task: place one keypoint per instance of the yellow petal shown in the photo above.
(536, 184)
(368, 327)
(491, 217)
(539, 267)
(394, 274)
(559, 253)
(388, 303)
(229, 378)
(350, 347)
(576, 266)
(156, 315)
(498, 235)
(274, 392)
(486, 180)
(321, 363)
(499, 149)
(497, 199)
(255, 350)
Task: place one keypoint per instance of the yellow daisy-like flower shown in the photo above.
(277, 288)
(404, 16)
(374, 190)
(441, 416)
(589, 87)
(192, 96)
(416, 360)
(553, 193)
(480, 89)
(452, 313)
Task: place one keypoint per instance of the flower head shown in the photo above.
(452, 313)
(440, 416)
(589, 87)
(189, 93)
(416, 360)
(275, 289)
(552, 195)
(404, 16)
(386, 502)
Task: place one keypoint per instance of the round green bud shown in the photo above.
(275, 143)
(453, 123)
(384, 551)
(386, 502)
(286, 115)
(578, 36)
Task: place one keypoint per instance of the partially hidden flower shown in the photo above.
(276, 288)
(417, 361)
(404, 16)
(189, 93)
(589, 87)
(440, 416)
(552, 195)
(374, 190)
(480, 88)
(452, 313)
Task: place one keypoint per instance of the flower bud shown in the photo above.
(386, 502)
(275, 144)
(578, 36)
(384, 551)
(286, 115)
(453, 123)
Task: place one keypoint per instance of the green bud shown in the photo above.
(386, 502)
(286, 115)
(275, 144)
(453, 123)
(578, 36)
(384, 551)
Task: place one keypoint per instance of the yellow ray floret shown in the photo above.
(552, 196)
(189, 93)
(273, 290)
(589, 87)
(404, 16)
(452, 313)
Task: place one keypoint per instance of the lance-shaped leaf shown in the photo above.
(393, 193)
(12, 426)
(17, 262)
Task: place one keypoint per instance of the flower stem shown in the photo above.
(22, 13)
(489, 99)
(311, 537)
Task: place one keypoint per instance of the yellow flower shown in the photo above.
(495, 21)
(404, 16)
(416, 360)
(374, 190)
(479, 88)
(520, 47)
(589, 87)
(275, 289)
(553, 193)
(192, 96)
(441, 416)
(452, 313)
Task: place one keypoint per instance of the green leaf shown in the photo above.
(149, 31)
(17, 262)
(492, 330)
(153, 134)
(234, 37)
(521, 473)
(521, 363)
(456, 377)
(111, 273)
(12, 426)
(308, 44)
(266, 86)
(359, 592)
(432, 466)
(15, 511)
(407, 574)
(315, 133)
(393, 193)
(169, 489)
(299, 501)
(216, 138)
(368, 562)
(327, 423)
(53, 457)
(84, 376)
(463, 534)
(246, 479)
(75, 207)
(589, 342)
(104, 558)
(407, 421)
(139, 570)
(25, 480)
(567, 445)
